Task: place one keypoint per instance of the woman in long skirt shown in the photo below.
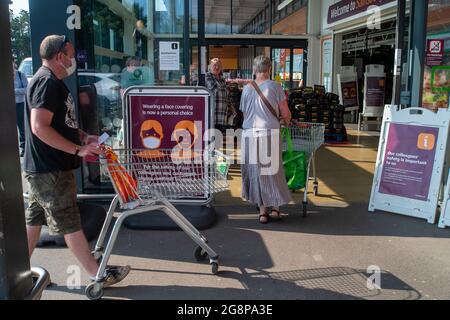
(264, 105)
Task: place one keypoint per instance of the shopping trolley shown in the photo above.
(307, 137)
(147, 181)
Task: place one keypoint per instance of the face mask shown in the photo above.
(70, 70)
(152, 143)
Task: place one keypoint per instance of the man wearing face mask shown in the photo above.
(54, 148)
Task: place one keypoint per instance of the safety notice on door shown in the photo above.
(408, 161)
(169, 56)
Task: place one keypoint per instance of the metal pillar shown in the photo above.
(201, 42)
(419, 39)
(15, 274)
(400, 40)
(187, 42)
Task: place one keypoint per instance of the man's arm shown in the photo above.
(41, 120)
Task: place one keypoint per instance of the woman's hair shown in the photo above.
(261, 64)
(213, 62)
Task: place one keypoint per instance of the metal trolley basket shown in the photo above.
(146, 181)
(308, 137)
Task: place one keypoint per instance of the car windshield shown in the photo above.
(26, 68)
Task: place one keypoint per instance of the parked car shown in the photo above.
(26, 67)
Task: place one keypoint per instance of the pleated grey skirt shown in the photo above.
(263, 179)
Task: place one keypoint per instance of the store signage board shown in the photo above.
(435, 52)
(374, 91)
(156, 117)
(348, 8)
(440, 79)
(169, 56)
(350, 94)
(327, 61)
(410, 162)
(348, 88)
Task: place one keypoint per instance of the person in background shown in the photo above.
(54, 148)
(217, 84)
(20, 90)
(263, 180)
(134, 74)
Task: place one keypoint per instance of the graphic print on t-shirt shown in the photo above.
(71, 118)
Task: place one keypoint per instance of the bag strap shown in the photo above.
(264, 99)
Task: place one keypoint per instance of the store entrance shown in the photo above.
(366, 47)
(289, 59)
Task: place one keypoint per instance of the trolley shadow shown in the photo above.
(338, 283)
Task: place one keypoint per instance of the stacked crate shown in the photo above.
(314, 105)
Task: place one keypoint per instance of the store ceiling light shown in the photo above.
(282, 5)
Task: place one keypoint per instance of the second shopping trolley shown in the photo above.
(146, 181)
(307, 137)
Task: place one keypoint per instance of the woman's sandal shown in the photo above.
(264, 218)
(277, 216)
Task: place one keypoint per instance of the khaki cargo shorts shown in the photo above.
(53, 202)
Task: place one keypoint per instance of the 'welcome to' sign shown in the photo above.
(347, 8)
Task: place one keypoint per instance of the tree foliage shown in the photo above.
(20, 35)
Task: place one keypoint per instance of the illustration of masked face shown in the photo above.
(185, 134)
(151, 139)
(151, 134)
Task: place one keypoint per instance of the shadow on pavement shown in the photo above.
(339, 283)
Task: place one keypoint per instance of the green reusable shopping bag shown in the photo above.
(295, 164)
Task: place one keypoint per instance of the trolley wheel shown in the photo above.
(200, 255)
(305, 210)
(92, 294)
(215, 268)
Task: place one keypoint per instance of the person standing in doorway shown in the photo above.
(217, 84)
(20, 90)
(54, 147)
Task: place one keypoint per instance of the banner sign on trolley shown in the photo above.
(169, 118)
(410, 162)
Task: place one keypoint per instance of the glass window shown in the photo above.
(297, 76)
(281, 67)
(194, 16)
(218, 16)
(169, 16)
(118, 47)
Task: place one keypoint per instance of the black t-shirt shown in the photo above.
(47, 91)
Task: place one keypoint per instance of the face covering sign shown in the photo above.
(165, 129)
(164, 122)
(409, 161)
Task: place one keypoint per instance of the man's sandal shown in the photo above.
(276, 216)
(264, 218)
